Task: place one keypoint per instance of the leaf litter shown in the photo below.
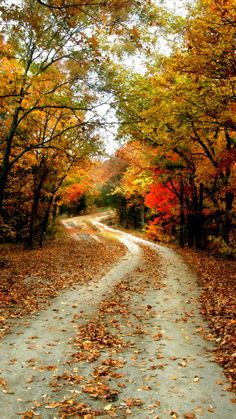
(30, 279)
(217, 280)
(102, 344)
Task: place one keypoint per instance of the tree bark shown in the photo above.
(6, 166)
(34, 211)
(229, 196)
(44, 224)
(182, 216)
(199, 220)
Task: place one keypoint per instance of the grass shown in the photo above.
(107, 235)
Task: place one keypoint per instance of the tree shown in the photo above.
(51, 56)
(184, 109)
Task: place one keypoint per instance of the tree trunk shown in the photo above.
(229, 198)
(44, 224)
(45, 221)
(199, 220)
(182, 216)
(122, 210)
(54, 212)
(191, 230)
(6, 166)
(142, 212)
(34, 211)
(33, 217)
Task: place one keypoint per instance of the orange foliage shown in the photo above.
(162, 199)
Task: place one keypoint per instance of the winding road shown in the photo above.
(164, 370)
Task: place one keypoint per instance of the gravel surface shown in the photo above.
(151, 363)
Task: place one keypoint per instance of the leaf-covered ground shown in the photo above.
(30, 279)
(140, 354)
(217, 279)
(217, 284)
(105, 352)
(138, 350)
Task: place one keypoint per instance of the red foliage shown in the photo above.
(162, 199)
(76, 191)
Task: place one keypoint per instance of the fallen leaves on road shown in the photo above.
(3, 382)
(134, 402)
(189, 415)
(29, 279)
(71, 408)
(28, 415)
(92, 338)
(100, 344)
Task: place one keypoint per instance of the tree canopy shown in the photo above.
(183, 107)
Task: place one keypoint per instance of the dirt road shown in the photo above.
(129, 345)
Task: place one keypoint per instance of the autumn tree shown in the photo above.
(134, 183)
(184, 108)
(38, 46)
(210, 64)
(50, 56)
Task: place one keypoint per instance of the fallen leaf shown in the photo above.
(134, 402)
(157, 336)
(28, 415)
(182, 364)
(211, 409)
(219, 382)
(174, 414)
(2, 382)
(108, 407)
(52, 405)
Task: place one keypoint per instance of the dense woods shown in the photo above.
(50, 60)
(126, 105)
(175, 173)
(179, 119)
